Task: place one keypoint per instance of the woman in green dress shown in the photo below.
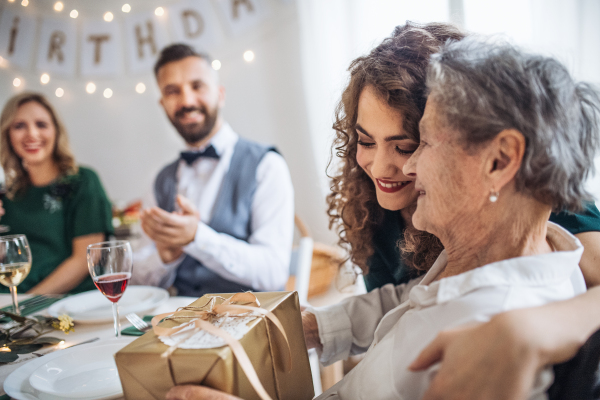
(60, 206)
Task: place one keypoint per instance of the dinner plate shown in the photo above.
(17, 385)
(92, 307)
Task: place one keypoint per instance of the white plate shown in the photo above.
(89, 372)
(92, 307)
(17, 384)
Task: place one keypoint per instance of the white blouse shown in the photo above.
(397, 323)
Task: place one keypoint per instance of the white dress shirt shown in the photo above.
(397, 323)
(262, 262)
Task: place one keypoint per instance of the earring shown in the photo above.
(494, 196)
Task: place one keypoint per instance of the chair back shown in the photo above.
(579, 378)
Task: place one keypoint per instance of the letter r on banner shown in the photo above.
(57, 50)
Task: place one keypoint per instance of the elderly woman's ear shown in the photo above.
(505, 154)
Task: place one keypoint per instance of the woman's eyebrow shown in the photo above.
(387, 139)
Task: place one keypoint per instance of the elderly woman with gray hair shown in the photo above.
(506, 138)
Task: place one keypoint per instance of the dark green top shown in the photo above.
(386, 266)
(52, 216)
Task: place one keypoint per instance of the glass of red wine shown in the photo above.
(110, 265)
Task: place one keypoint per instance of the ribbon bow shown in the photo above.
(239, 305)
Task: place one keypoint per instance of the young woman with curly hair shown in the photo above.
(377, 129)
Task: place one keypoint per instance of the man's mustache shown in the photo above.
(184, 110)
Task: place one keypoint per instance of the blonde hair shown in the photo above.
(17, 177)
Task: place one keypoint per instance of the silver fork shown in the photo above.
(139, 323)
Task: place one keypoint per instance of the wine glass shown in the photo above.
(15, 264)
(110, 265)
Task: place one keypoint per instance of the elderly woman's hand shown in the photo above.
(311, 330)
(193, 392)
(497, 360)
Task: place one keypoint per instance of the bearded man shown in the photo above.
(223, 214)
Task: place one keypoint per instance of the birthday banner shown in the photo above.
(90, 47)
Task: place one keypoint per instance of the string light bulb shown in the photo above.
(159, 12)
(90, 87)
(249, 56)
(11, 1)
(16, 82)
(25, 3)
(74, 14)
(108, 16)
(140, 88)
(45, 78)
(216, 64)
(58, 6)
(108, 93)
(126, 8)
(59, 92)
(3, 62)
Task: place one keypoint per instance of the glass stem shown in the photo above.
(13, 294)
(115, 308)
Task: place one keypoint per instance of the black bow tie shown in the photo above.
(190, 156)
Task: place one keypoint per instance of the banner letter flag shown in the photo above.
(101, 52)
(193, 23)
(146, 35)
(17, 37)
(57, 47)
(241, 15)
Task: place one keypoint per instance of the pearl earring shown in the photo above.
(494, 196)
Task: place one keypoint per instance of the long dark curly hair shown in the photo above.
(396, 70)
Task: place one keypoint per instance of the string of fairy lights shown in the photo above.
(91, 87)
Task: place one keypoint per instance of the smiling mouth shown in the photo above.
(391, 187)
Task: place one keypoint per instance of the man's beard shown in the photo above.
(195, 132)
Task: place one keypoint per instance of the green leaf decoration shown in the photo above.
(8, 356)
(25, 348)
(14, 317)
(47, 340)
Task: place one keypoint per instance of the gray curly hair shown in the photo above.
(482, 87)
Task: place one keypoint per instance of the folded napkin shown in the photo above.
(133, 331)
(32, 305)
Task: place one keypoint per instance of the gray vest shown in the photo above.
(231, 215)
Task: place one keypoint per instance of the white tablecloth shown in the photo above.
(82, 332)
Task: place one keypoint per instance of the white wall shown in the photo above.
(127, 138)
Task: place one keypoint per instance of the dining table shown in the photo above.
(83, 332)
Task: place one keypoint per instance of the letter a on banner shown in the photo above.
(146, 35)
(17, 37)
(241, 15)
(101, 51)
(193, 23)
(57, 47)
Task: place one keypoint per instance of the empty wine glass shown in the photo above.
(15, 264)
(110, 265)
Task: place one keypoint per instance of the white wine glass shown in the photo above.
(15, 264)
(110, 265)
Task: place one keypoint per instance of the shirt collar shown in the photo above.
(536, 270)
(221, 141)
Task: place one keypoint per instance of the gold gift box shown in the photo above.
(145, 374)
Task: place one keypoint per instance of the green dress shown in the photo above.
(52, 216)
(386, 266)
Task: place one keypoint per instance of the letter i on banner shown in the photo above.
(57, 47)
(101, 51)
(194, 23)
(146, 35)
(242, 15)
(17, 38)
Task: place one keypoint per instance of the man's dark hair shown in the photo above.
(176, 52)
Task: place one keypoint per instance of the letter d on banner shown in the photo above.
(17, 37)
(193, 23)
(146, 35)
(57, 47)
